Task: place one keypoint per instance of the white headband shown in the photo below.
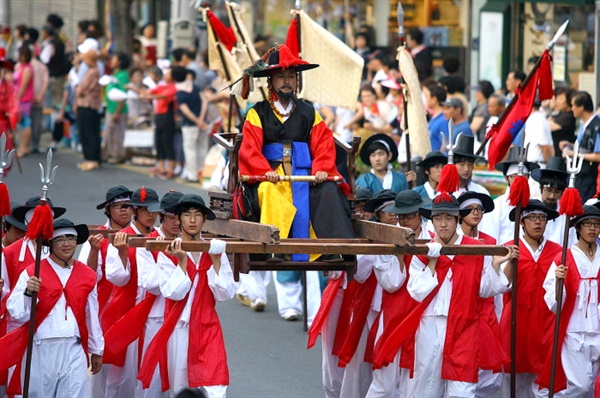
(385, 144)
(386, 204)
(117, 200)
(514, 169)
(29, 216)
(454, 213)
(470, 202)
(64, 231)
(525, 213)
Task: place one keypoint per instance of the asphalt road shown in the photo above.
(267, 356)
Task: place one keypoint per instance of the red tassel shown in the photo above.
(345, 188)
(443, 197)
(546, 91)
(570, 203)
(143, 194)
(41, 223)
(292, 38)
(449, 180)
(519, 192)
(4, 201)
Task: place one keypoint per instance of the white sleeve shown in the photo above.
(364, 267)
(421, 281)
(147, 271)
(222, 284)
(95, 336)
(6, 287)
(19, 305)
(492, 282)
(388, 274)
(46, 53)
(174, 283)
(550, 288)
(116, 273)
(85, 252)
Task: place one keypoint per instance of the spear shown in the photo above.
(6, 157)
(532, 73)
(39, 228)
(570, 206)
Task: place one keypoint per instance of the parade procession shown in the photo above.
(420, 243)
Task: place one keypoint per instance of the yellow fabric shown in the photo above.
(253, 118)
(277, 208)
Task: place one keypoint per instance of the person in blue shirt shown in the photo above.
(432, 166)
(379, 151)
(455, 109)
(435, 95)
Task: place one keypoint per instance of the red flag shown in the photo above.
(224, 35)
(292, 40)
(504, 132)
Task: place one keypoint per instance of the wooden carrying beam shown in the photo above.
(263, 233)
(315, 247)
(379, 232)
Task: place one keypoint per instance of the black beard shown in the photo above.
(286, 96)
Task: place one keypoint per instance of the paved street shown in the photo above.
(267, 356)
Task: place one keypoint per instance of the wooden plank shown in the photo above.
(103, 232)
(379, 232)
(111, 237)
(312, 246)
(247, 230)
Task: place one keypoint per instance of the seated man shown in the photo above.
(286, 136)
(379, 151)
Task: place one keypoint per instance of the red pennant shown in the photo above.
(4, 201)
(225, 35)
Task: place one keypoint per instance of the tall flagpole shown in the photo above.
(400, 17)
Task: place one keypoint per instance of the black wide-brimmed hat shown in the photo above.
(20, 211)
(170, 199)
(81, 229)
(535, 204)
(486, 201)
(192, 200)
(380, 197)
(588, 212)
(113, 193)
(281, 57)
(556, 167)
(144, 197)
(512, 159)
(385, 140)
(431, 159)
(465, 147)
(363, 194)
(406, 202)
(14, 221)
(442, 206)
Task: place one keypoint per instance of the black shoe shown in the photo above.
(276, 258)
(331, 258)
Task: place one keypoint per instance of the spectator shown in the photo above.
(454, 109)
(480, 114)
(377, 115)
(41, 80)
(56, 22)
(31, 38)
(18, 40)
(451, 65)
(53, 55)
(115, 122)
(148, 41)
(66, 114)
(435, 96)
(378, 67)
(562, 122)
(195, 140)
(450, 84)
(187, 59)
(138, 108)
(23, 79)
(496, 105)
(538, 135)
(87, 103)
(513, 80)
(420, 53)
(82, 27)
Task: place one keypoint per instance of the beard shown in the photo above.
(286, 96)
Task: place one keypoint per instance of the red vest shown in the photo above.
(535, 322)
(104, 286)
(79, 286)
(206, 356)
(571, 286)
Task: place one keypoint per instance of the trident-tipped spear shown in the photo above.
(38, 229)
(6, 158)
(570, 207)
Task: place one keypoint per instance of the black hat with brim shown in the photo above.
(588, 212)
(380, 197)
(19, 212)
(442, 207)
(535, 204)
(144, 197)
(113, 193)
(431, 159)
(363, 194)
(170, 199)
(406, 202)
(15, 223)
(556, 167)
(192, 200)
(82, 230)
(282, 58)
(385, 140)
(465, 147)
(486, 200)
(512, 159)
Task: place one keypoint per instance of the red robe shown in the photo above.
(535, 322)
(207, 358)
(77, 289)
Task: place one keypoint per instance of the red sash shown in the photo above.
(535, 322)
(327, 299)
(76, 291)
(360, 310)
(104, 287)
(571, 286)
(206, 356)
